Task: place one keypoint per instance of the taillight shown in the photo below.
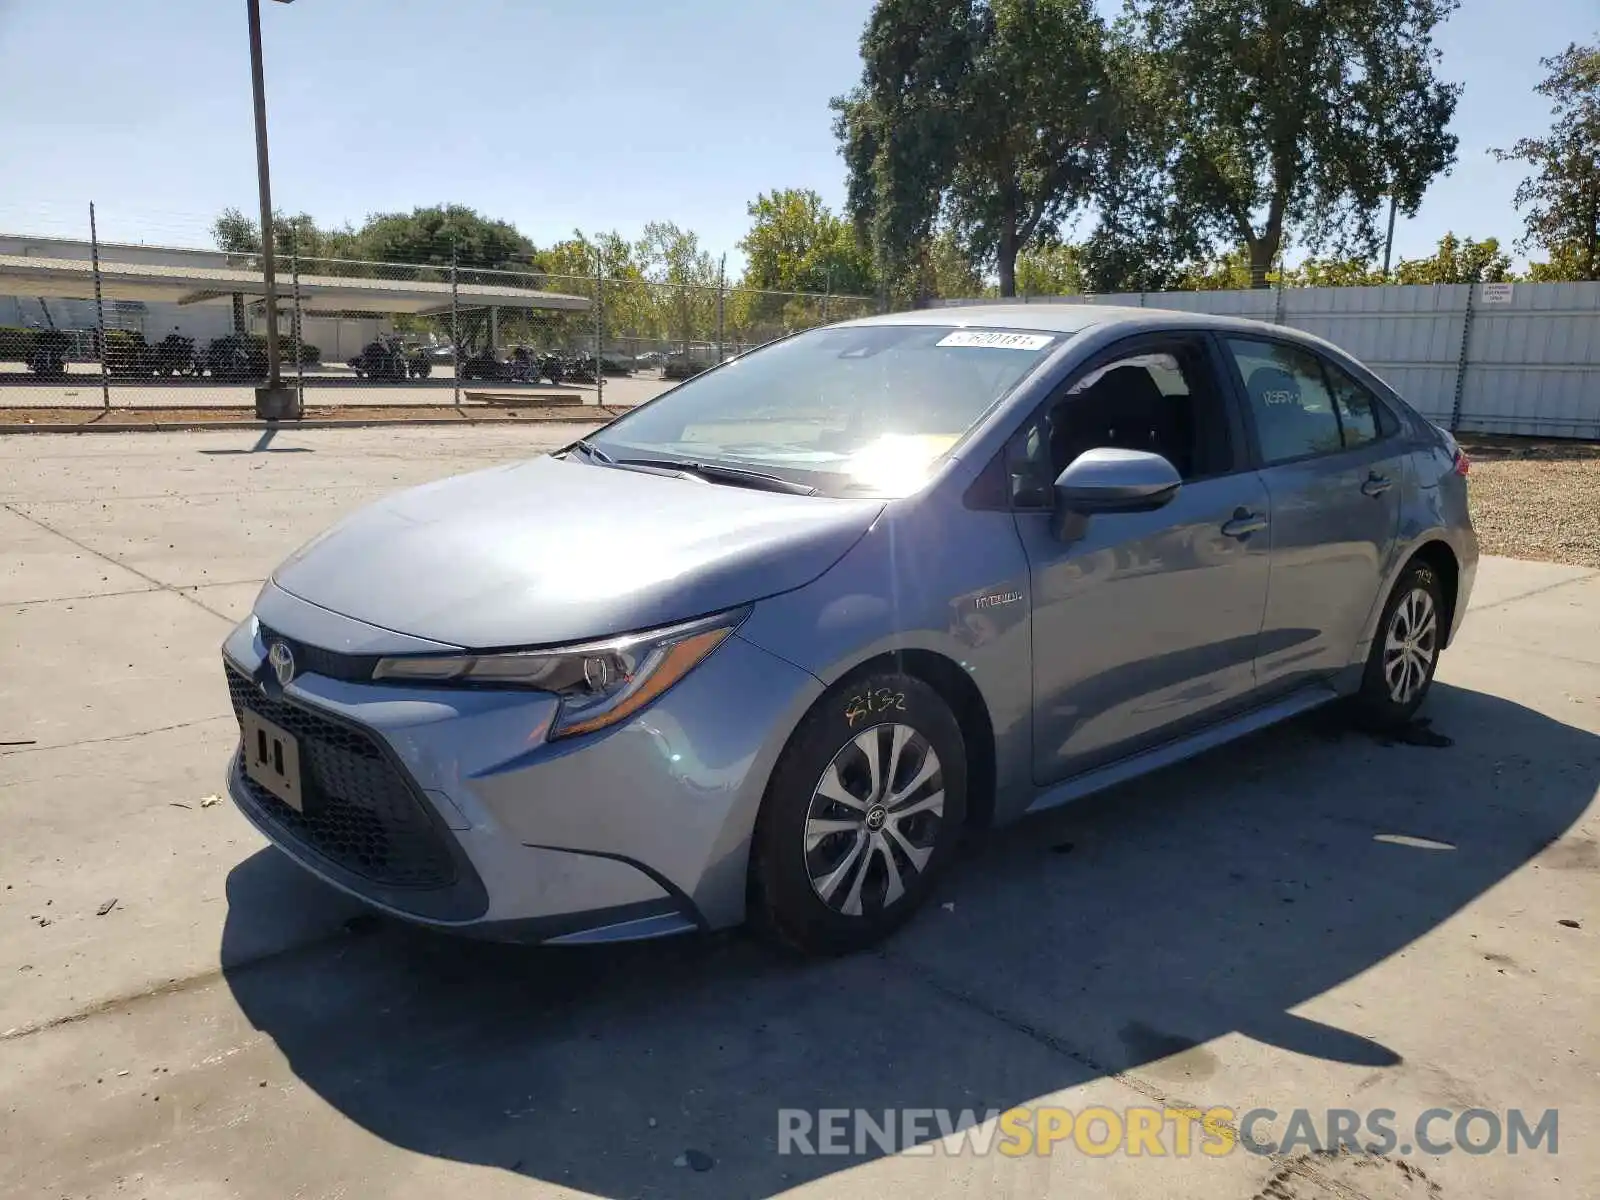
(1463, 463)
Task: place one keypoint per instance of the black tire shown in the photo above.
(785, 905)
(1380, 704)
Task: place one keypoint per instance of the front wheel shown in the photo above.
(1405, 650)
(863, 813)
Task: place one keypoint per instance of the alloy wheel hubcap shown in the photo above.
(874, 820)
(1409, 646)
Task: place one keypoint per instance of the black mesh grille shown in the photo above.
(353, 668)
(361, 813)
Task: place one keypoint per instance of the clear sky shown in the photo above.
(553, 114)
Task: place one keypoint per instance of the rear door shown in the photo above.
(1144, 624)
(1334, 474)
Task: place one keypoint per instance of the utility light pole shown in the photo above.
(274, 402)
(1388, 242)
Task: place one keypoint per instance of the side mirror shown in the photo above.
(1108, 480)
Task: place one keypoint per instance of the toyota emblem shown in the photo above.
(282, 660)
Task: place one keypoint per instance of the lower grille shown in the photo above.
(361, 812)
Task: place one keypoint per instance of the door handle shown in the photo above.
(1376, 485)
(1244, 523)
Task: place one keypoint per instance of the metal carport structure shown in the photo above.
(74, 279)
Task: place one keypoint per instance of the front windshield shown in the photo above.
(849, 410)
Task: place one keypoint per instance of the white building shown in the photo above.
(338, 338)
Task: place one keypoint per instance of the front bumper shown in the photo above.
(447, 806)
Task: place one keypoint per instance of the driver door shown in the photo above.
(1145, 624)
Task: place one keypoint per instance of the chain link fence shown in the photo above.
(141, 326)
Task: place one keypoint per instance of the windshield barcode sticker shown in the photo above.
(994, 339)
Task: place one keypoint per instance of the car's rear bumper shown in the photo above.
(449, 807)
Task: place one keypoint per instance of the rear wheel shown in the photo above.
(863, 813)
(1405, 650)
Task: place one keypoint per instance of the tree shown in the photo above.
(948, 270)
(1458, 260)
(238, 234)
(686, 279)
(430, 235)
(1279, 114)
(1143, 235)
(1561, 198)
(1053, 270)
(797, 253)
(1225, 274)
(569, 267)
(1336, 272)
(1565, 265)
(988, 113)
(423, 236)
(797, 244)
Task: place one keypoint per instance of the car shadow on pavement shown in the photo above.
(1122, 934)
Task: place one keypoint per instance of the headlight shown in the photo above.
(599, 683)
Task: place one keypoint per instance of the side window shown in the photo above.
(1363, 416)
(1162, 399)
(1359, 408)
(1294, 414)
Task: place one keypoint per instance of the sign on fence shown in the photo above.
(1495, 293)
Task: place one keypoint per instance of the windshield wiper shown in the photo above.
(717, 473)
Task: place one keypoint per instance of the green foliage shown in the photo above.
(1144, 233)
(1561, 199)
(1228, 273)
(1567, 263)
(797, 244)
(16, 343)
(687, 279)
(989, 114)
(1335, 272)
(796, 253)
(422, 236)
(571, 265)
(127, 353)
(1262, 116)
(238, 234)
(949, 273)
(1053, 270)
(1458, 261)
(432, 235)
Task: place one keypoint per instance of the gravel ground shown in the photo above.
(1536, 499)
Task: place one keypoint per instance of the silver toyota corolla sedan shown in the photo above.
(764, 647)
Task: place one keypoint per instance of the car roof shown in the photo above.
(1047, 317)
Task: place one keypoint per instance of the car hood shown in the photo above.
(552, 550)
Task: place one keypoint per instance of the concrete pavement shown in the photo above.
(1307, 919)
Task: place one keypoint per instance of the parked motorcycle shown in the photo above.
(48, 359)
(524, 366)
(174, 355)
(381, 359)
(484, 365)
(582, 368)
(237, 358)
(128, 355)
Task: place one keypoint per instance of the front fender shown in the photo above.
(931, 575)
